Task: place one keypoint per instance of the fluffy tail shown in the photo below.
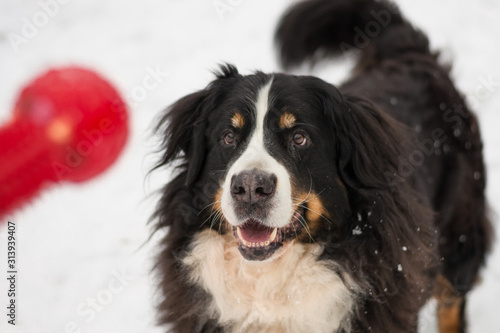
(373, 30)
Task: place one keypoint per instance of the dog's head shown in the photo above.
(277, 159)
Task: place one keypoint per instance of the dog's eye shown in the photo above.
(299, 139)
(229, 138)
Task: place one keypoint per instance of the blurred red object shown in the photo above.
(69, 124)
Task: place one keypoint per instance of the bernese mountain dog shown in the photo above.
(299, 206)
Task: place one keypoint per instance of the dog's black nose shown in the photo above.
(253, 186)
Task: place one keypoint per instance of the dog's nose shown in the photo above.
(253, 186)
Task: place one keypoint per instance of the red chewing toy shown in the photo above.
(69, 124)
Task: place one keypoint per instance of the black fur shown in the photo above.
(396, 157)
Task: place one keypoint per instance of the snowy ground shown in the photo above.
(84, 244)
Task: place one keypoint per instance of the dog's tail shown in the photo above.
(373, 30)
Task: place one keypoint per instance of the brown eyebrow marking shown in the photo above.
(237, 120)
(287, 120)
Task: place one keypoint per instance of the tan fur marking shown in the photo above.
(237, 120)
(315, 210)
(218, 196)
(449, 318)
(217, 213)
(449, 303)
(315, 214)
(287, 120)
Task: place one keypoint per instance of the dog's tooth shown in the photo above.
(266, 243)
(261, 243)
(238, 231)
(273, 235)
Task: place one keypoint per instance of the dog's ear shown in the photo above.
(183, 129)
(369, 143)
(183, 124)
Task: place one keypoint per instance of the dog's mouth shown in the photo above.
(259, 242)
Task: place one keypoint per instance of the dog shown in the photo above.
(298, 206)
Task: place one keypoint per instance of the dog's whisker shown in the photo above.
(299, 201)
(216, 219)
(220, 225)
(303, 222)
(295, 231)
(317, 213)
(211, 204)
(217, 171)
(212, 215)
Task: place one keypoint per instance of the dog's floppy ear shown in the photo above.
(386, 219)
(183, 130)
(368, 143)
(183, 125)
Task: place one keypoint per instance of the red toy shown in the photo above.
(69, 124)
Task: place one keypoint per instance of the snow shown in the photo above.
(83, 251)
(357, 231)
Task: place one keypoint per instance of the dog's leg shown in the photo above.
(451, 307)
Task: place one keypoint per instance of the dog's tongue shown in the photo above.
(253, 231)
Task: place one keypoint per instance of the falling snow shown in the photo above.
(357, 231)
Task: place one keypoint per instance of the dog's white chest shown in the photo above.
(294, 293)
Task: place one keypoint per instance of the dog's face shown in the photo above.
(277, 150)
(279, 166)
(274, 149)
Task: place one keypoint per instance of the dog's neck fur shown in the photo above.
(292, 293)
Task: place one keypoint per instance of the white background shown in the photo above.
(74, 239)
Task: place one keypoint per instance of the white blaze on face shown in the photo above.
(257, 157)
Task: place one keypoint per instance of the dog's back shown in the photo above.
(398, 72)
